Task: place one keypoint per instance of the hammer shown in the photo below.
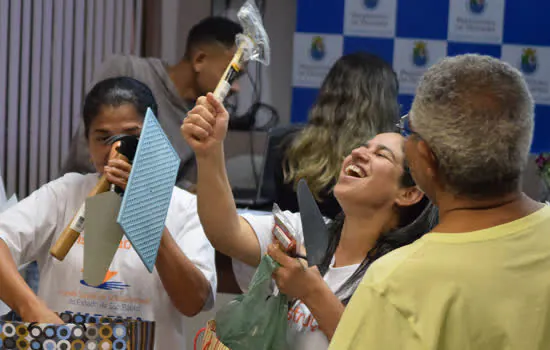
(123, 147)
(252, 45)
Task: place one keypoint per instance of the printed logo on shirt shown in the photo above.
(104, 303)
(107, 284)
(124, 243)
(302, 319)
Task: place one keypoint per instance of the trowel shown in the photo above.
(102, 233)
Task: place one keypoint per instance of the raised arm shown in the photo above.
(204, 129)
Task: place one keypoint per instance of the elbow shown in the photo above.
(193, 306)
(189, 311)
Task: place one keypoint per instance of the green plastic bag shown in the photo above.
(258, 319)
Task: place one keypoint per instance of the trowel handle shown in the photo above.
(70, 234)
(231, 72)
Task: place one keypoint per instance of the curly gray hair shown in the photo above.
(477, 115)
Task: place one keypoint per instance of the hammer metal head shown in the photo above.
(254, 39)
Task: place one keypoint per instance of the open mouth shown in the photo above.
(355, 171)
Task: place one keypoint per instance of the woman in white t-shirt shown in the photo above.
(184, 280)
(383, 210)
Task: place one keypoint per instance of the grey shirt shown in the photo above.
(172, 109)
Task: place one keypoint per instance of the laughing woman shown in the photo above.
(357, 100)
(382, 210)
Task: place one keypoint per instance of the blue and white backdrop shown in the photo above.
(414, 34)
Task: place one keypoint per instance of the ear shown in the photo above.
(409, 196)
(428, 158)
(198, 60)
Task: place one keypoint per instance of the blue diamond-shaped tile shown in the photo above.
(149, 191)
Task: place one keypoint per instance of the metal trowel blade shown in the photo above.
(102, 236)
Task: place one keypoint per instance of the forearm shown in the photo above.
(326, 308)
(184, 283)
(14, 291)
(225, 229)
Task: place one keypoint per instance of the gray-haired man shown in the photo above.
(481, 279)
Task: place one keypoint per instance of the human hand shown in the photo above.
(117, 172)
(40, 313)
(294, 278)
(205, 126)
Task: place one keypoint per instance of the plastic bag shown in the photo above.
(252, 45)
(283, 231)
(254, 40)
(258, 319)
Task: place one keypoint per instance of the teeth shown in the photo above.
(355, 171)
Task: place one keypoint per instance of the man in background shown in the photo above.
(210, 47)
(481, 279)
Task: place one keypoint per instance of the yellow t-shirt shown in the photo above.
(482, 290)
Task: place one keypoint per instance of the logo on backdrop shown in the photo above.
(370, 4)
(476, 21)
(370, 18)
(529, 61)
(420, 54)
(313, 56)
(411, 58)
(317, 49)
(476, 6)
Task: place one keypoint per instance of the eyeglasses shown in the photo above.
(404, 126)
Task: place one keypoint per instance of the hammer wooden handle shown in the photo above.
(69, 235)
(233, 68)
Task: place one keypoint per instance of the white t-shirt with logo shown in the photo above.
(303, 332)
(32, 226)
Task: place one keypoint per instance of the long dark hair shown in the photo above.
(414, 222)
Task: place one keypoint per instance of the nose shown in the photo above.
(360, 153)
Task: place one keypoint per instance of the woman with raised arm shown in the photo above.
(382, 210)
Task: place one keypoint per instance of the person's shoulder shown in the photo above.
(72, 180)
(118, 60)
(67, 186)
(392, 264)
(127, 64)
(123, 58)
(138, 66)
